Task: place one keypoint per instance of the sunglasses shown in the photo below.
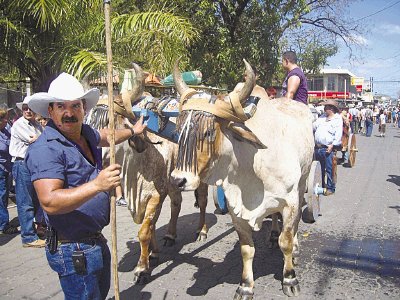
(26, 108)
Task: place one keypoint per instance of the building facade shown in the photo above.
(332, 84)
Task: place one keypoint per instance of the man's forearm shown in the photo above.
(62, 201)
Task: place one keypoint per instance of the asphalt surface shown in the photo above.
(351, 252)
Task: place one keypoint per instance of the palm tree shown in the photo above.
(44, 37)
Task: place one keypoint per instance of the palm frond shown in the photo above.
(85, 62)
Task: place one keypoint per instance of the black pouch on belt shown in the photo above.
(79, 261)
(51, 239)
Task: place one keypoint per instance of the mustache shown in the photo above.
(69, 119)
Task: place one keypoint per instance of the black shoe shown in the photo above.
(10, 230)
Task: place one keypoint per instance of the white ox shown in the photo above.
(147, 162)
(257, 181)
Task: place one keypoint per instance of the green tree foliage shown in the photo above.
(259, 31)
(44, 37)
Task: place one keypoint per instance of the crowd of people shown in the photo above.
(61, 188)
(15, 137)
(361, 119)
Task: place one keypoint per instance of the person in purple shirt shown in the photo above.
(295, 84)
(65, 164)
(5, 169)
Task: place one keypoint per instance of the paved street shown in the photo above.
(351, 252)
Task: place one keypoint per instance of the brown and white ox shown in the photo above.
(257, 181)
(147, 162)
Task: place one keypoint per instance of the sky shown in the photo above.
(380, 55)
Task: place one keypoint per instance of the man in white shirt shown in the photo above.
(24, 132)
(328, 130)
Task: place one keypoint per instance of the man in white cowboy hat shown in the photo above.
(65, 164)
(24, 132)
(328, 130)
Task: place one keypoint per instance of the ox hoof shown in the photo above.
(243, 293)
(291, 287)
(201, 236)
(169, 242)
(153, 261)
(142, 278)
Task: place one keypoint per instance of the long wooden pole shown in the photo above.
(107, 10)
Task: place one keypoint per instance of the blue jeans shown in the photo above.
(4, 190)
(326, 160)
(26, 199)
(368, 127)
(95, 284)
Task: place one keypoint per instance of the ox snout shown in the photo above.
(185, 181)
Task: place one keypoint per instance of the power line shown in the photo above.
(377, 12)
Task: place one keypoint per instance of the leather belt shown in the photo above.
(86, 239)
(320, 146)
(19, 158)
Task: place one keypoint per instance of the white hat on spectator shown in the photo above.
(26, 101)
(64, 88)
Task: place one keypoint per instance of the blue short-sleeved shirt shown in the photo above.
(53, 156)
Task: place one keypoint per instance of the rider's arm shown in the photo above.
(293, 85)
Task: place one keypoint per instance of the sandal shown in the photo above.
(10, 230)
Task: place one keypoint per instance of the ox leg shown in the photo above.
(296, 252)
(176, 203)
(290, 284)
(245, 290)
(201, 198)
(142, 270)
(274, 235)
(155, 249)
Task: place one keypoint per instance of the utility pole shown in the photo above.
(372, 84)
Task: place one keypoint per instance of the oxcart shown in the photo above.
(349, 146)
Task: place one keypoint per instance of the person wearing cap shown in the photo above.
(328, 131)
(65, 164)
(295, 84)
(5, 169)
(23, 133)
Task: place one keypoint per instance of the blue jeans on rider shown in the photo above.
(95, 283)
(27, 201)
(326, 160)
(4, 191)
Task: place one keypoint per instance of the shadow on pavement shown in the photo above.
(394, 179)
(208, 273)
(5, 238)
(364, 256)
(397, 207)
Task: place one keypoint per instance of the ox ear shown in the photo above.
(243, 133)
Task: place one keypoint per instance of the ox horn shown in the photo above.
(249, 83)
(180, 84)
(134, 90)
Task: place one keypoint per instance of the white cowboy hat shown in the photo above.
(26, 101)
(64, 88)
